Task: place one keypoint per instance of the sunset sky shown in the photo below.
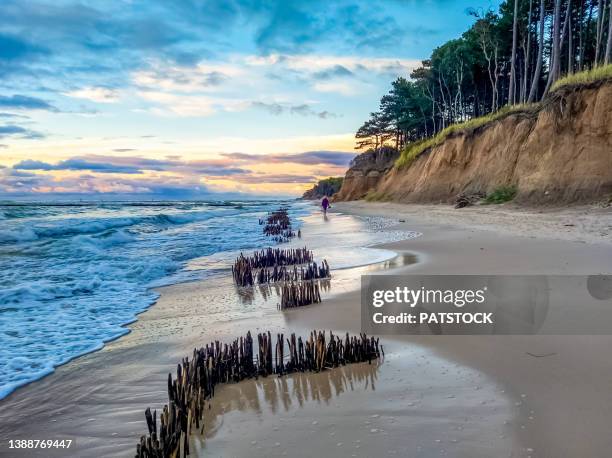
(196, 99)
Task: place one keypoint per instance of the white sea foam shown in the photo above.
(72, 277)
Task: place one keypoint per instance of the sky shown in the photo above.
(195, 99)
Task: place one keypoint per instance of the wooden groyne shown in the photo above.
(244, 275)
(278, 225)
(273, 266)
(299, 294)
(216, 363)
(271, 257)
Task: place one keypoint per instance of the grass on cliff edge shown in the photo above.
(600, 73)
(413, 150)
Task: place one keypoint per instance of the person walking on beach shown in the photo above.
(325, 204)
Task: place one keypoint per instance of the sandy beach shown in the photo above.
(472, 396)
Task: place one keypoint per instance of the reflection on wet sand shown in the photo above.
(282, 394)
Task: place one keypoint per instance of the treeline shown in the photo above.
(507, 57)
(326, 187)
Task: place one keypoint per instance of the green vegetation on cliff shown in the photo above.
(326, 187)
(412, 150)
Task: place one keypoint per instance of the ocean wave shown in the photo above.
(31, 230)
(73, 276)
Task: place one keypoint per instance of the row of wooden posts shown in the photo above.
(278, 225)
(244, 275)
(196, 379)
(299, 294)
(271, 257)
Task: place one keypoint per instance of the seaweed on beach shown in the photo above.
(218, 363)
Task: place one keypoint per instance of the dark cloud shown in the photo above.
(213, 171)
(272, 108)
(25, 102)
(11, 130)
(134, 165)
(19, 183)
(13, 116)
(76, 164)
(13, 48)
(334, 72)
(277, 109)
(30, 164)
(14, 180)
(123, 150)
(297, 27)
(275, 178)
(337, 158)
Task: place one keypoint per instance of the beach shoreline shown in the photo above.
(489, 395)
(544, 389)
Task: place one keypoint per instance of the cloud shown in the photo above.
(24, 102)
(321, 66)
(13, 116)
(11, 130)
(95, 94)
(76, 164)
(14, 48)
(19, 183)
(297, 28)
(333, 72)
(336, 158)
(337, 88)
(167, 104)
(169, 76)
(275, 178)
(301, 110)
(134, 165)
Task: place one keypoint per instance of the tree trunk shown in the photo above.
(580, 38)
(566, 21)
(511, 91)
(538, 70)
(527, 56)
(553, 72)
(601, 13)
(609, 44)
(570, 51)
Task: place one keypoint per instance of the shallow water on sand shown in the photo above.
(410, 404)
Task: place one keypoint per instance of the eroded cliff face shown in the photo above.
(365, 172)
(560, 153)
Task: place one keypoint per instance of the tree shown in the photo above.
(609, 44)
(488, 67)
(555, 66)
(511, 90)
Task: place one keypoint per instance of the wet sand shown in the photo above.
(432, 396)
(560, 386)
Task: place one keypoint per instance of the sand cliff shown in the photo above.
(557, 152)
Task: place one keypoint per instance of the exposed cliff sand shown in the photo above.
(556, 152)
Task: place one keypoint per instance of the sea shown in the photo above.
(73, 275)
